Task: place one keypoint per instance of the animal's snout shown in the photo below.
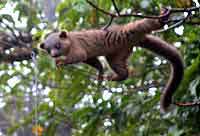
(54, 53)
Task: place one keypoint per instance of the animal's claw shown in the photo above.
(59, 62)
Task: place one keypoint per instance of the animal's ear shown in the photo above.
(63, 34)
(42, 45)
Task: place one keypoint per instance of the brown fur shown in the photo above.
(116, 45)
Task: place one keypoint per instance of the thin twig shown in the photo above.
(103, 11)
(187, 104)
(184, 9)
(9, 28)
(125, 15)
(109, 23)
(112, 15)
(169, 12)
(181, 21)
(115, 6)
(170, 27)
(148, 86)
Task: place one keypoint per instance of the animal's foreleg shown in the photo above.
(94, 62)
(118, 63)
(72, 58)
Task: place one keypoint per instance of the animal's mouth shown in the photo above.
(60, 59)
(55, 56)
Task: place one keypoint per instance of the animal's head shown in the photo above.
(57, 44)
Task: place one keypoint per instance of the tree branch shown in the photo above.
(9, 28)
(19, 54)
(124, 15)
(187, 104)
(109, 23)
(166, 14)
(116, 8)
(185, 9)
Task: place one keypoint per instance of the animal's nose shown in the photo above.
(54, 53)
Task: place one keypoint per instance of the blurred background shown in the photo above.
(36, 98)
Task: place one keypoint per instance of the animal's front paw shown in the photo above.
(106, 77)
(100, 77)
(59, 62)
(111, 77)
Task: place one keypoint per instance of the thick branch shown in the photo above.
(19, 54)
(11, 51)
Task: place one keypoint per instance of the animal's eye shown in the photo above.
(58, 46)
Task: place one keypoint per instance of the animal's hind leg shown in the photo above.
(118, 63)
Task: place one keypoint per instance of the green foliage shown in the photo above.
(2, 4)
(71, 95)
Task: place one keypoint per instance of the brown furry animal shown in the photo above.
(116, 45)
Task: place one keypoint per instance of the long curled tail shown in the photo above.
(169, 52)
